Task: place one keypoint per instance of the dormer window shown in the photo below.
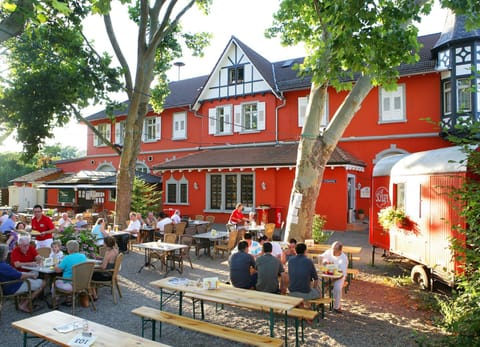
(235, 75)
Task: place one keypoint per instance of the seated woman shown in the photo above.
(8, 273)
(107, 264)
(99, 231)
(74, 257)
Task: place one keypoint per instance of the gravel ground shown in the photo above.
(375, 312)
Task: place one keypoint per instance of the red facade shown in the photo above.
(346, 187)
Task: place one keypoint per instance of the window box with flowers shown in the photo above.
(390, 217)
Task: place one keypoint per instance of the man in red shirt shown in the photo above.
(44, 226)
(24, 254)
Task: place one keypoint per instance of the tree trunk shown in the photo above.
(133, 138)
(314, 151)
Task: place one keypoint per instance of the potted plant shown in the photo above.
(390, 217)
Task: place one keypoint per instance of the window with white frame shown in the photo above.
(177, 191)
(142, 167)
(392, 104)
(302, 112)
(119, 132)
(447, 97)
(179, 125)
(151, 129)
(464, 95)
(220, 120)
(226, 190)
(104, 130)
(250, 117)
(236, 74)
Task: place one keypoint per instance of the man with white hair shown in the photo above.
(8, 273)
(335, 255)
(24, 254)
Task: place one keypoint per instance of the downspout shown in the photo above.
(284, 102)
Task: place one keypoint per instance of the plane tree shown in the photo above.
(54, 71)
(350, 45)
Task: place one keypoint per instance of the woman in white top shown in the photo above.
(176, 217)
(335, 255)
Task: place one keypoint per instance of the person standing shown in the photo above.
(269, 268)
(44, 226)
(335, 255)
(237, 217)
(241, 266)
(302, 272)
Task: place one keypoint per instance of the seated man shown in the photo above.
(269, 268)
(276, 248)
(9, 224)
(80, 223)
(335, 255)
(241, 264)
(302, 272)
(8, 273)
(290, 251)
(24, 254)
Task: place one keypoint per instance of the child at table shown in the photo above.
(56, 254)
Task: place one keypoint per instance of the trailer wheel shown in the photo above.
(419, 275)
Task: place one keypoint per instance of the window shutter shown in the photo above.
(95, 137)
(212, 121)
(228, 118)
(118, 133)
(158, 128)
(261, 116)
(302, 110)
(144, 134)
(238, 118)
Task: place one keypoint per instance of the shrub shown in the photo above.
(85, 239)
(390, 216)
(318, 234)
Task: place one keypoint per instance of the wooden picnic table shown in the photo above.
(229, 295)
(42, 327)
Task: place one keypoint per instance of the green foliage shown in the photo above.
(318, 234)
(85, 239)
(346, 38)
(390, 216)
(461, 313)
(52, 71)
(145, 197)
(12, 166)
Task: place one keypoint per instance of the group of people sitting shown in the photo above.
(25, 254)
(261, 266)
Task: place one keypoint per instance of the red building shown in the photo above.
(232, 135)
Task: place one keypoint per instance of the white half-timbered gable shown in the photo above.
(236, 74)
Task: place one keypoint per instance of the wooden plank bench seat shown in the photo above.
(153, 315)
(300, 315)
(320, 303)
(351, 273)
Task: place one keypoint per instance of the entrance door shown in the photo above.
(351, 198)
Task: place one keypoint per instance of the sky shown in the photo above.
(245, 19)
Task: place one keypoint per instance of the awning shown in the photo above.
(76, 186)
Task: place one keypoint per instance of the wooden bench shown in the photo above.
(300, 315)
(351, 273)
(320, 303)
(153, 315)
